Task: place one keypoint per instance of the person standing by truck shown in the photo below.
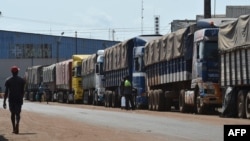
(47, 93)
(127, 92)
(40, 93)
(14, 90)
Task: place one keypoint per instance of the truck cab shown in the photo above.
(99, 78)
(77, 89)
(205, 71)
(139, 77)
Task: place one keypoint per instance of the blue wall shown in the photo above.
(14, 45)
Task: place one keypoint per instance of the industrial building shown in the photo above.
(29, 49)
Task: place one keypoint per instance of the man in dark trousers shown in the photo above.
(14, 90)
(127, 91)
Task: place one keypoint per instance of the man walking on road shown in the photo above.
(14, 90)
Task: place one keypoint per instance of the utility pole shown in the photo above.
(57, 47)
(142, 17)
(76, 41)
(207, 9)
(214, 8)
(113, 34)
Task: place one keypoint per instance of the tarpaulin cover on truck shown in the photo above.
(34, 74)
(113, 57)
(48, 73)
(88, 64)
(235, 34)
(116, 57)
(64, 74)
(167, 47)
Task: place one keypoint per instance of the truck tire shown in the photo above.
(247, 105)
(153, 100)
(168, 101)
(150, 99)
(182, 105)
(110, 99)
(161, 101)
(106, 99)
(114, 100)
(93, 98)
(67, 101)
(156, 100)
(241, 104)
(68, 98)
(200, 107)
(194, 107)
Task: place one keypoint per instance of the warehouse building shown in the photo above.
(28, 49)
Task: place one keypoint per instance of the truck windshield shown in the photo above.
(78, 71)
(99, 68)
(138, 63)
(209, 50)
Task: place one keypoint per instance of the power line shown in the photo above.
(92, 31)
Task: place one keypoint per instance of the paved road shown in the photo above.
(165, 125)
(135, 122)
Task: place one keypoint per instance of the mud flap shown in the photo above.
(229, 108)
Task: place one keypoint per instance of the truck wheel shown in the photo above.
(248, 105)
(200, 107)
(150, 100)
(156, 100)
(161, 101)
(182, 105)
(106, 99)
(93, 98)
(67, 101)
(241, 104)
(168, 101)
(114, 99)
(196, 95)
(153, 100)
(110, 99)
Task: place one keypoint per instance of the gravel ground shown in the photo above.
(40, 127)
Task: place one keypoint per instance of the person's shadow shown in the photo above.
(25, 134)
(2, 138)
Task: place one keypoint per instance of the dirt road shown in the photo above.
(40, 127)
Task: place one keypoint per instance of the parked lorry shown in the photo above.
(118, 63)
(182, 70)
(34, 79)
(234, 46)
(92, 79)
(64, 92)
(77, 78)
(49, 81)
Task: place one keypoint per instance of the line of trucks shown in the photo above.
(198, 69)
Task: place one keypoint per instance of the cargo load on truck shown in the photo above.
(119, 61)
(234, 46)
(49, 81)
(182, 71)
(64, 81)
(34, 78)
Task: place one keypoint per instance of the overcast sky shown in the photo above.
(98, 18)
